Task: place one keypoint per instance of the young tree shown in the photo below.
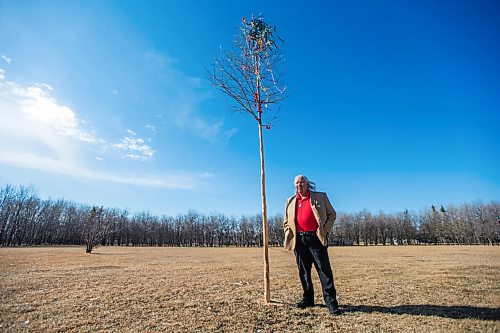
(250, 74)
(96, 227)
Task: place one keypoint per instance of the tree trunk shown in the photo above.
(265, 235)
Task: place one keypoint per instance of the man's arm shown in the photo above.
(286, 223)
(331, 215)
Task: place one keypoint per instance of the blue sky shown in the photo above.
(392, 104)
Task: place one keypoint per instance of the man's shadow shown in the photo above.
(454, 312)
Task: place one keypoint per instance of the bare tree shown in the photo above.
(381, 221)
(250, 74)
(276, 235)
(492, 215)
(343, 230)
(96, 227)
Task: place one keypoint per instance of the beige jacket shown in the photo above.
(322, 210)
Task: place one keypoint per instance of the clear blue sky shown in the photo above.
(393, 104)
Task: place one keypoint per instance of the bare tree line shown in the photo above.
(25, 219)
(466, 224)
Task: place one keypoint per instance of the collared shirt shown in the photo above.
(305, 219)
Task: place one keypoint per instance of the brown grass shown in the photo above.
(122, 289)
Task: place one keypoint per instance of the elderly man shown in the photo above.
(308, 220)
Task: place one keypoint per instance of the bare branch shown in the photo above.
(251, 73)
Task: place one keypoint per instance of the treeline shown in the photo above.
(466, 224)
(25, 219)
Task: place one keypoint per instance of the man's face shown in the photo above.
(301, 186)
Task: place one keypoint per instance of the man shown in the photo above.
(308, 220)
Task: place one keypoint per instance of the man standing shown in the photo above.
(308, 220)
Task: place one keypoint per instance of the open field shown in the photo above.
(381, 289)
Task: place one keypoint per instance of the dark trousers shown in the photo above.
(309, 251)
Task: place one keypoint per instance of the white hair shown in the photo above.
(310, 184)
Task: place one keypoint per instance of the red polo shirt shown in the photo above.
(305, 220)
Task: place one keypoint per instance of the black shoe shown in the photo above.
(305, 304)
(334, 310)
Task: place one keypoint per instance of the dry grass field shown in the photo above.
(124, 289)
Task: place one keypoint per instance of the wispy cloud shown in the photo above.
(37, 105)
(39, 108)
(37, 132)
(197, 126)
(159, 60)
(7, 59)
(134, 147)
(209, 131)
(230, 133)
(185, 94)
(2, 74)
(43, 163)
